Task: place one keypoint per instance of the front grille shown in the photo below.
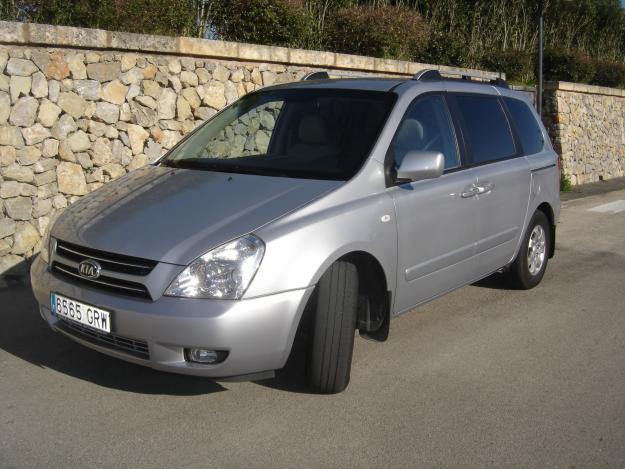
(111, 264)
(136, 348)
(103, 282)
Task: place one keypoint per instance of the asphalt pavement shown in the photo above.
(484, 376)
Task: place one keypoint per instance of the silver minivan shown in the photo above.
(320, 207)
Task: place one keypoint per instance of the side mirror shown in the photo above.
(418, 165)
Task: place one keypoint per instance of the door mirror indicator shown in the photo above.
(418, 165)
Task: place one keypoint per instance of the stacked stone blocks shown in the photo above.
(587, 127)
(71, 121)
(74, 119)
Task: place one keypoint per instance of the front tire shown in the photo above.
(333, 328)
(529, 267)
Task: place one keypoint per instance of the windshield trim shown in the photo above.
(238, 169)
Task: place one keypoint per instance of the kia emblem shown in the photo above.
(89, 269)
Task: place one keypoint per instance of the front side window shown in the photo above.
(301, 133)
(526, 126)
(426, 127)
(487, 130)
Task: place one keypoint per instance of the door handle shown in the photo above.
(486, 188)
(470, 191)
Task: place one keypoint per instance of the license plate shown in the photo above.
(81, 313)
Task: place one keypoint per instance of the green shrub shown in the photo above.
(568, 66)
(609, 74)
(444, 49)
(271, 22)
(389, 32)
(565, 183)
(165, 17)
(518, 65)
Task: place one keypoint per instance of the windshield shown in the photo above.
(305, 133)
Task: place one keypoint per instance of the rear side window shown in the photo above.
(487, 131)
(526, 126)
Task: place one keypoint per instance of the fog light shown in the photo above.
(202, 355)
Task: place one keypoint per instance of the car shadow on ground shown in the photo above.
(496, 281)
(293, 377)
(25, 335)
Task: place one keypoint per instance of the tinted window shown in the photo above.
(427, 127)
(487, 130)
(526, 126)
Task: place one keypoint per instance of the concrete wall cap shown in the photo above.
(71, 37)
(562, 86)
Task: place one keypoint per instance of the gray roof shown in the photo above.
(388, 84)
(371, 84)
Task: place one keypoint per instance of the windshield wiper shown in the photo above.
(192, 163)
(256, 170)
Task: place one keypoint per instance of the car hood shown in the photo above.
(175, 215)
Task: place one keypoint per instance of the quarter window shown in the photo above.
(526, 126)
(486, 126)
(426, 126)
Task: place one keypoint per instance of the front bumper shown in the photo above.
(258, 333)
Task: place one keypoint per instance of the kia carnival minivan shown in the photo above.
(326, 205)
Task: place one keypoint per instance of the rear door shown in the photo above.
(503, 178)
(436, 223)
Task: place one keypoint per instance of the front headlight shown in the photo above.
(224, 273)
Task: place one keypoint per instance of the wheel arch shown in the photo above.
(375, 293)
(547, 209)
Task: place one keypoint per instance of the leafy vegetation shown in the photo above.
(585, 39)
(281, 23)
(165, 17)
(610, 74)
(568, 66)
(389, 32)
(565, 183)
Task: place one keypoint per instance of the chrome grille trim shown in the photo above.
(101, 282)
(121, 274)
(62, 247)
(135, 347)
(112, 262)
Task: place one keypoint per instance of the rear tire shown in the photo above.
(529, 267)
(333, 328)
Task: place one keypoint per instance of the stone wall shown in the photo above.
(71, 121)
(586, 125)
(81, 107)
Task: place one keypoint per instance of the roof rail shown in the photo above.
(427, 74)
(500, 82)
(430, 74)
(325, 75)
(316, 76)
